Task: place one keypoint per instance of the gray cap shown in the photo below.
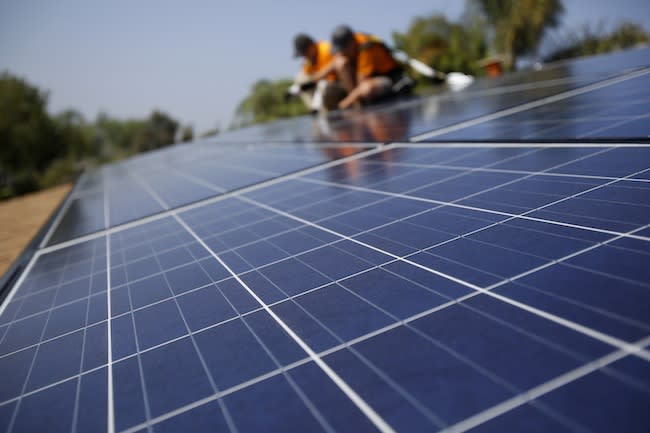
(340, 38)
(301, 42)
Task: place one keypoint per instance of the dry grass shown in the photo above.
(22, 217)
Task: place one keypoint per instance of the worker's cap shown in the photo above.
(301, 43)
(340, 38)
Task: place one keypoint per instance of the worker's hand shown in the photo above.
(293, 90)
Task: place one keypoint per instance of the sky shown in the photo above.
(196, 59)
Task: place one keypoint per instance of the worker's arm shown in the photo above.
(364, 66)
(328, 69)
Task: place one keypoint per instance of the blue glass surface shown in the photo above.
(186, 278)
(263, 287)
(395, 295)
(304, 325)
(84, 215)
(207, 418)
(385, 294)
(95, 346)
(538, 240)
(527, 418)
(6, 412)
(335, 263)
(342, 313)
(56, 360)
(330, 400)
(292, 276)
(622, 407)
(123, 336)
(281, 408)
(174, 376)
(13, 373)
(73, 290)
(36, 303)
(158, 323)
(205, 307)
(149, 290)
(128, 396)
(93, 406)
(395, 408)
(238, 296)
(617, 262)
(502, 349)
(583, 298)
(66, 318)
(435, 377)
(59, 400)
(232, 354)
(142, 268)
(23, 333)
(277, 342)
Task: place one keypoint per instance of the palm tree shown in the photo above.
(519, 25)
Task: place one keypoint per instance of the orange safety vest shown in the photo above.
(323, 58)
(374, 57)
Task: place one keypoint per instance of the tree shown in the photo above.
(75, 134)
(519, 25)
(266, 102)
(589, 40)
(446, 46)
(115, 137)
(29, 137)
(187, 134)
(627, 35)
(38, 150)
(158, 131)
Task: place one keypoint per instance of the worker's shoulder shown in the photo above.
(368, 41)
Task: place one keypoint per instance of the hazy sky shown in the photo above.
(196, 59)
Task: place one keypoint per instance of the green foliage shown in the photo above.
(74, 134)
(112, 136)
(29, 137)
(266, 102)
(187, 134)
(596, 40)
(158, 131)
(39, 150)
(59, 171)
(446, 46)
(519, 25)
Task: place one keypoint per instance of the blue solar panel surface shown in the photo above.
(585, 97)
(398, 287)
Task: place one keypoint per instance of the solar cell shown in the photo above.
(392, 287)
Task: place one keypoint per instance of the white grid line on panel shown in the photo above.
(539, 391)
(363, 406)
(210, 200)
(529, 105)
(489, 211)
(374, 417)
(613, 341)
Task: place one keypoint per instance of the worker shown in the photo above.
(316, 84)
(317, 55)
(365, 68)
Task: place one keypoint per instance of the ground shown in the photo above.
(22, 217)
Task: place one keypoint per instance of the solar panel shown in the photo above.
(397, 287)
(592, 97)
(179, 175)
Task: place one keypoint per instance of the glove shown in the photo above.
(308, 86)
